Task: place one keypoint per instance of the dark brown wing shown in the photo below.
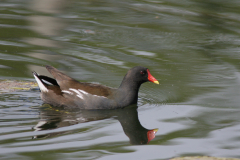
(65, 82)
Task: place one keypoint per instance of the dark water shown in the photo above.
(191, 47)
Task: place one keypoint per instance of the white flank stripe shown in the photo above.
(74, 90)
(91, 94)
(78, 93)
(99, 96)
(80, 96)
(64, 91)
(40, 84)
(82, 91)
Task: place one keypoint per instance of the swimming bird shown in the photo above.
(64, 91)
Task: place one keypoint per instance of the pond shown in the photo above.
(190, 47)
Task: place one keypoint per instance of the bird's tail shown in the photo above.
(41, 85)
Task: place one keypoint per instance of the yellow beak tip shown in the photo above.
(156, 82)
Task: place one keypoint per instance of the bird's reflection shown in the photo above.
(51, 118)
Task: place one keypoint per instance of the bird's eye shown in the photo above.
(142, 72)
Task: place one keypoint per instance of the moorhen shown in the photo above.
(64, 91)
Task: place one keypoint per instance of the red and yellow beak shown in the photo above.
(151, 78)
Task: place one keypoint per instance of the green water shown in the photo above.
(191, 47)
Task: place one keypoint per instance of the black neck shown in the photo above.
(129, 91)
